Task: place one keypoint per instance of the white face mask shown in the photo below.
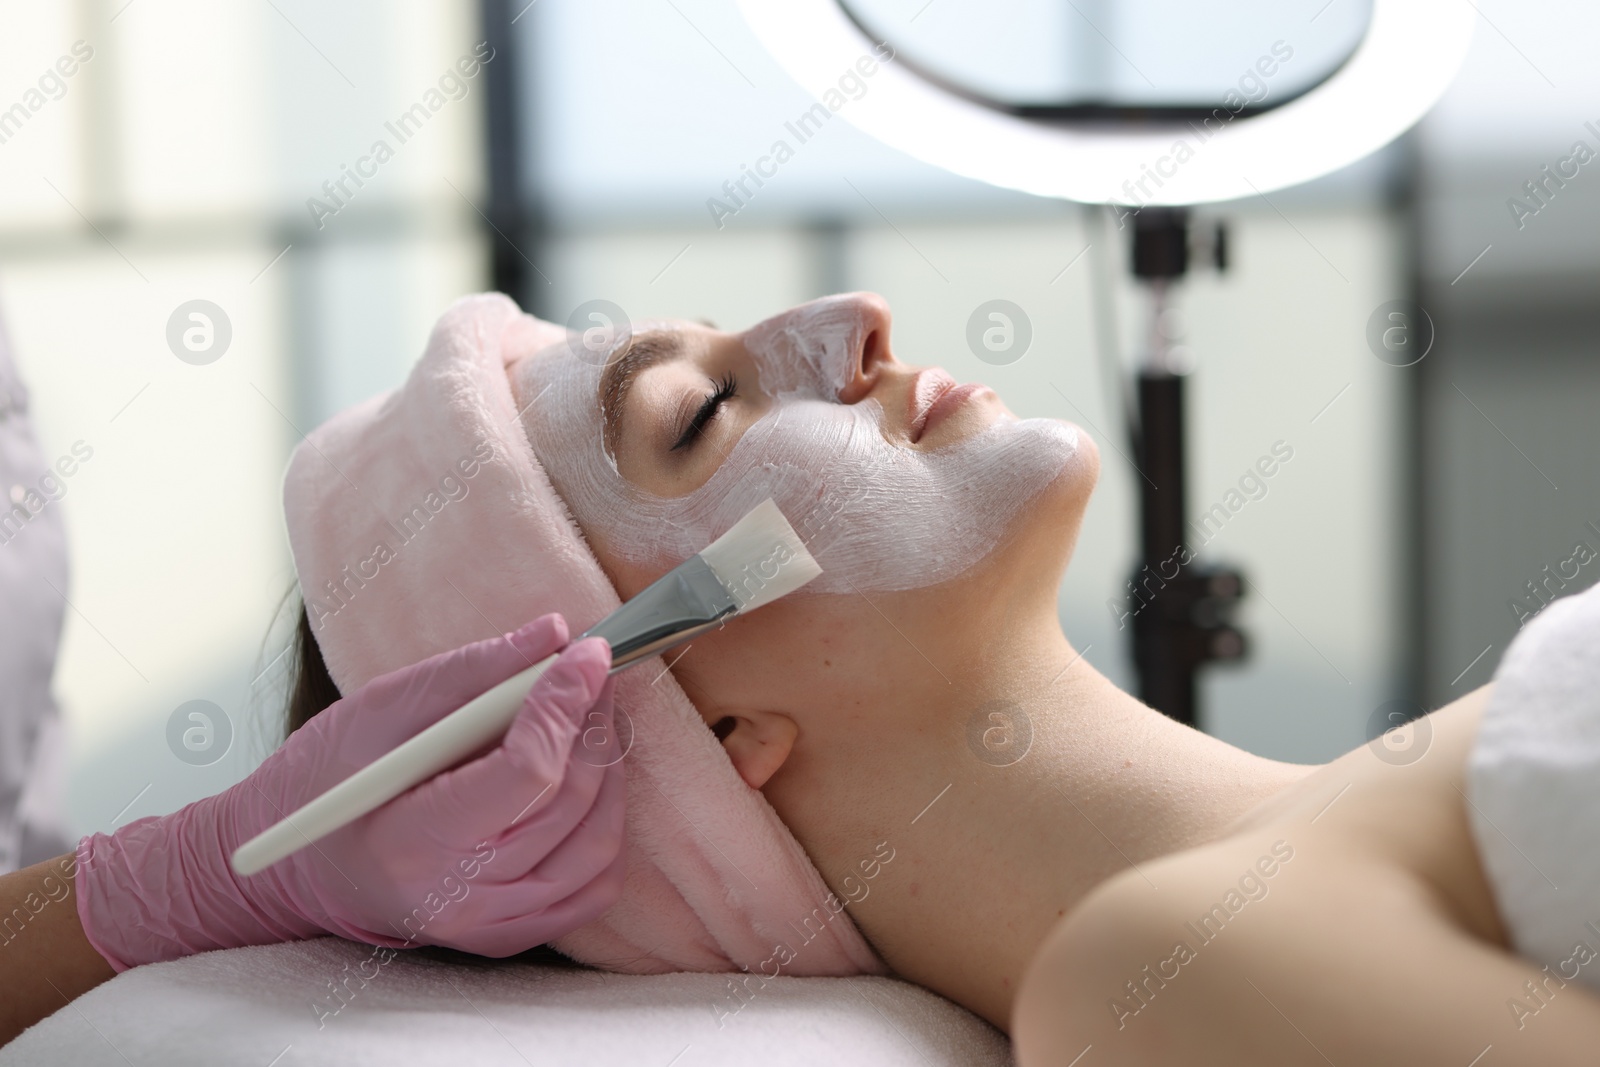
(877, 516)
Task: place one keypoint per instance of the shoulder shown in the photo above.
(1280, 948)
(1144, 965)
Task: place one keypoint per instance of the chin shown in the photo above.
(1085, 472)
(1075, 450)
(1058, 510)
(1078, 479)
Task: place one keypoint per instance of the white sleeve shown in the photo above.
(33, 580)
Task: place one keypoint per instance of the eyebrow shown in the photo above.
(643, 352)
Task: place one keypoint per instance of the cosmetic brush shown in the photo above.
(757, 561)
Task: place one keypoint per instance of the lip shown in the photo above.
(936, 396)
(927, 388)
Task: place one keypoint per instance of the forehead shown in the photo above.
(570, 366)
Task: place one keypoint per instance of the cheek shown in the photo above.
(728, 669)
(846, 441)
(788, 656)
(630, 579)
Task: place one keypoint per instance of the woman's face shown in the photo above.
(895, 477)
(917, 496)
(672, 426)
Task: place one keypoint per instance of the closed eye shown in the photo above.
(723, 390)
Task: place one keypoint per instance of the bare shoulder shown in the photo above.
(1327, 958)
(1345, 934)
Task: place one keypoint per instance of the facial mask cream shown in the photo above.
(877, 515)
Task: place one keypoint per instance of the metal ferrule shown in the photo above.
(681, 605)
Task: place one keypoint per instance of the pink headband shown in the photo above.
(421, 520)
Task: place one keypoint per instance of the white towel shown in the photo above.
(273, 1005)
(1533, 780)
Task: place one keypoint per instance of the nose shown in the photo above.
(871, 341)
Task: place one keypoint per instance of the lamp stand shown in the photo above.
(1182, 608)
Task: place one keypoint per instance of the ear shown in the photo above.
(758, 743)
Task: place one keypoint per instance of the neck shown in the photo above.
(996, 836)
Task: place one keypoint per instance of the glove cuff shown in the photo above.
(160, 888)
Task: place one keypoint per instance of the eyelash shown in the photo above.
(725, 389)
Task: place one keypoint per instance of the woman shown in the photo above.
(1042, 892)
(1038, 893)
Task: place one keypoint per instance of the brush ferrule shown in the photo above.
(682, 604)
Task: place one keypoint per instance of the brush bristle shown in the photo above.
(761, 558)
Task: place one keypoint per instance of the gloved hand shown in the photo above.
(513, 848)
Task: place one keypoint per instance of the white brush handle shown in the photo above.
(482, 720)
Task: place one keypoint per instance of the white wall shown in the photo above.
(191, 139)
(1510, 393)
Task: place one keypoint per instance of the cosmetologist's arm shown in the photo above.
(45, 959)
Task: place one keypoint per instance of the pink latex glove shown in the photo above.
(513, 848)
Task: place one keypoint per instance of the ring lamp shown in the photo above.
(1155, 160)
(1411, 51)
